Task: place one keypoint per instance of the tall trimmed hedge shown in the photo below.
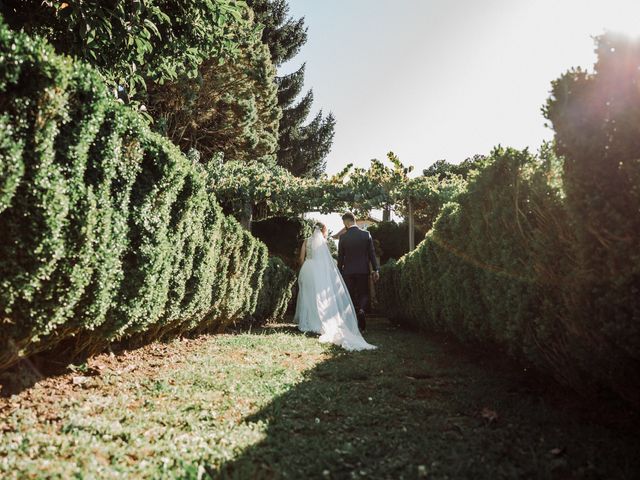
(284, 236)
(501, 267)
(542, 255)
(392, 239)
(108, 231)
(596, 119)
(277, 291)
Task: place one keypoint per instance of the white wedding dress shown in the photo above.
(324, 305)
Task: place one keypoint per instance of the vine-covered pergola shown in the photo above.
(241, 187)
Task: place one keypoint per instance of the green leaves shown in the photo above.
(110, 232)
(276, 291)
(166, 39)
(222, 105)
(358, 189)
(595, 116)
(504, 264)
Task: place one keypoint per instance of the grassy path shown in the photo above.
(274, 403)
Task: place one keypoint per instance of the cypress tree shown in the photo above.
(302, 147)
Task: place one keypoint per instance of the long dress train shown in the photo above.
(324, 305)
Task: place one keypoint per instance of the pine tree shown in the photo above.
(302, 148)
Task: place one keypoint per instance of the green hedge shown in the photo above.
(283, 236)
(277, 290)
(392, 239)
(108, 231)
(501, 266)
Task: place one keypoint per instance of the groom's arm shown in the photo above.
(341, 255)
(372, 255)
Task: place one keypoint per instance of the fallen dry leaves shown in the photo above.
(489, 415)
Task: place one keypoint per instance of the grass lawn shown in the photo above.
(276, 404)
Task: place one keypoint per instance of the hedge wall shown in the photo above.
(277, 291)
(502, 266)
(108, 231)
(392, 239)
(284, 236)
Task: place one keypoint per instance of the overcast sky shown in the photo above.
(444, 79)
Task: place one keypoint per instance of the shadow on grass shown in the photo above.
(64, 358)
(48, 364)
(411, 410)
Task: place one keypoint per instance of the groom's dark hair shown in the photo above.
(349, 216)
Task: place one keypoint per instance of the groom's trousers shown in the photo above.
(358, 286)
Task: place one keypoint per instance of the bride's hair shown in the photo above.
(322, 227)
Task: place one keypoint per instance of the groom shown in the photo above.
(355, 252)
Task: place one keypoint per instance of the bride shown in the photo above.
(324, 305)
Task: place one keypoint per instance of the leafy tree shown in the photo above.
(200, 67)
(133, 42)
(278, 192)
(229, 108)
(379, 186)
(302, 147)
(443, 169)
(428, 196)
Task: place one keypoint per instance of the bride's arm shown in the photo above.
(303, 252)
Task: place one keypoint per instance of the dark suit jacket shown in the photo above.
(355, 251)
